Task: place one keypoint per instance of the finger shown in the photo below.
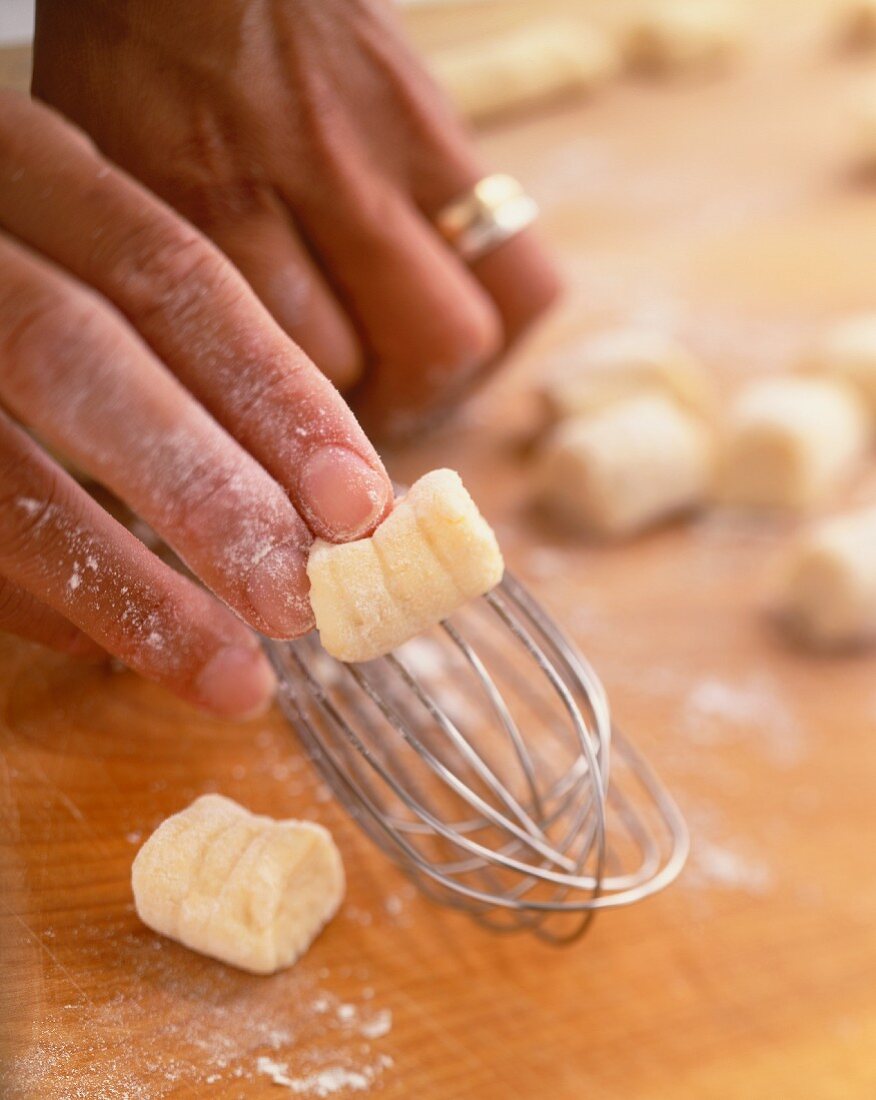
(59, 545)
(519, 276)
(29, 618)
(426, 322)
(441, 164)
(198, 315)
(521, 280)
(264, 246)
(73, 371)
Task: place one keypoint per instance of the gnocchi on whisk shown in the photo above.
(431, 555)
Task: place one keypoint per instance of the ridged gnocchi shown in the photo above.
(433, 553)
(682, 36)
(788, 441)
(847, 351)
(625, 363)
(237, 886)
(524, 67)
(632, 464)
(863, 134)
(826, 588)
(857, 24)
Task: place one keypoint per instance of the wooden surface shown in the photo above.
(724, 211)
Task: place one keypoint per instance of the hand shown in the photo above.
(307, 140)
(131, 345)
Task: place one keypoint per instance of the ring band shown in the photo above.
(492, 212)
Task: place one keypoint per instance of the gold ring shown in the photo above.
(492, 212)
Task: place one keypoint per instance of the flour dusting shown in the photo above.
(723, 867)
(208, 1026)
(379, 1025)
(720, 710)
(323, 1082)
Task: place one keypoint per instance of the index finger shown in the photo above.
(196, 312)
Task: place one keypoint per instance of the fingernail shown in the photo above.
(277, 589)
(237, 682)
(342, 494)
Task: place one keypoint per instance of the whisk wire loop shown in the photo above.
(482, 759)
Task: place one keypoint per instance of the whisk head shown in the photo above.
(482, 759)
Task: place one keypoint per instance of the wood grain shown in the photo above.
(726, 210)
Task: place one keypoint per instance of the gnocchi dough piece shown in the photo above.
(679, 36)
(789, 441)
(864, 133)
(433, 553)
(236, 886)
(827, 584)
(525, 67)
(848, 352)
(625, 467)
(858, 24)
(622, 364)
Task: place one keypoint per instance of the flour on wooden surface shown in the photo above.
(323, 1082)
(202, 1026)
(717, 710)
(727, 868)
(235, 1035)
(378, 1025)
(207, 1026)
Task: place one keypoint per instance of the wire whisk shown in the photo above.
(481, 758)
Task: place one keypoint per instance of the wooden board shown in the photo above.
(725, 211)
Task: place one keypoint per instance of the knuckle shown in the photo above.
(45, 331)
(473, 335)
(334, 151)
(486, 335)
(195, 498)
(297, 398)
(150, 633)
(536, 288)
(27, 527)
(27, 316)
(214, 204)
(166, 268)
(268, 387)
(371, 213)
(276, 387)
(28, 129)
